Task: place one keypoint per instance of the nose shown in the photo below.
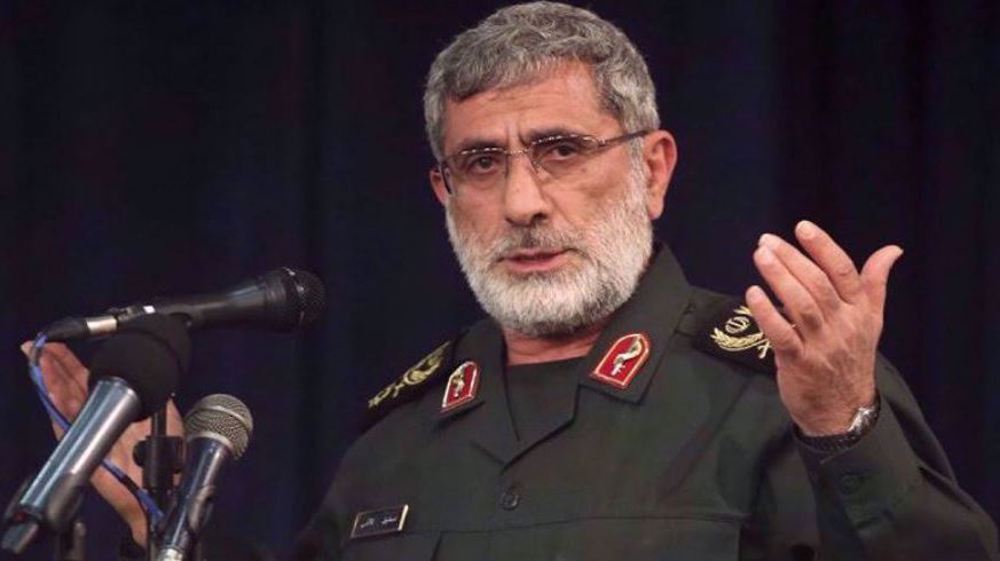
(524, 201)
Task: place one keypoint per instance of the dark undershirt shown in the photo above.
(532, 388)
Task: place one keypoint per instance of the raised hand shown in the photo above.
(66, 379)
(825, 342)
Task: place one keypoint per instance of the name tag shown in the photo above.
(379, 522)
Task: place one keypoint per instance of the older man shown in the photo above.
(606, 409)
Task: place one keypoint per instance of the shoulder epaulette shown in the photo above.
(410, 385)
(730, 332)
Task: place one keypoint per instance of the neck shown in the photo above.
(522, 349)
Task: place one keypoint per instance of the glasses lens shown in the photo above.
(560, 155)
(477, 168)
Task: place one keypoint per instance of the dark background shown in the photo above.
(154, 148)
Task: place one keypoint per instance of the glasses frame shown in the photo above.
(444, 168)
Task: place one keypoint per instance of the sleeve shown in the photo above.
(891, 496)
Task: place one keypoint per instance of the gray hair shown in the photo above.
(517, 44)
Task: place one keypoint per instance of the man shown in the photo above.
(607, 409)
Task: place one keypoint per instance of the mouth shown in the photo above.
(534, 260)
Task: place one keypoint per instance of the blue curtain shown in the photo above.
(166, 148)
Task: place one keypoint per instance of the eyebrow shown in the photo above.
(480, 142)
(538, 134)
(476, 143)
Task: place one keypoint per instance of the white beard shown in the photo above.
(611, 254)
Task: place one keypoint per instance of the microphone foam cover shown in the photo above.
(149, 354)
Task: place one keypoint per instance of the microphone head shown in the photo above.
(149, 354)
(305, 296)
(222, 417)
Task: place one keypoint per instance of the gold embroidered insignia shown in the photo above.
(415, 376)
(736, 336)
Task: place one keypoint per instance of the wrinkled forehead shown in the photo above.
(561, 96)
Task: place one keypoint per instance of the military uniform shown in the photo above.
(668, 441)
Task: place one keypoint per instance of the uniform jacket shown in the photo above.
(694, 459)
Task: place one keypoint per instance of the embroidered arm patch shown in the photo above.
(409, 385)
(731, 333)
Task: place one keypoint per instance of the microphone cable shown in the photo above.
(146, 501)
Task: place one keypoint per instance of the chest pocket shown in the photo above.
(404, 547)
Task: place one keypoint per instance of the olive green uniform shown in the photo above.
(696, 459)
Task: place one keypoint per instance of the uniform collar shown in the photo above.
(486, 418)
(654, 310)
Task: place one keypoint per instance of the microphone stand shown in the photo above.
(160, 456)
(71, 542)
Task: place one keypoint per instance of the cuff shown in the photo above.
(871, 476)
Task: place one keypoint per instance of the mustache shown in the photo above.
(533, 238)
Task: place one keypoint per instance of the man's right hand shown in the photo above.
(67, 378)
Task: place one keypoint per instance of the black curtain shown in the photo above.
(152, 148)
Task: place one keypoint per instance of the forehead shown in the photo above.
(562, 98)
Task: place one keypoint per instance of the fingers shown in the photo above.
(802, 268)
(798, 302)
(68, 362)
(832, 259)
(64, 376)
(775, 327)
(62, 362)
(875, 274)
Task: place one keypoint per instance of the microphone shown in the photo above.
(281, 300)
(217, 427)
(132, 376)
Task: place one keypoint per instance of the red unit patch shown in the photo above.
(623, 360)
(461, 387)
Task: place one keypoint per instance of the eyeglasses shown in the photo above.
(558, 156)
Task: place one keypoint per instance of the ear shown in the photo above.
(660, 156)
(437, 183)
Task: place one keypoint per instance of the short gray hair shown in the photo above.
(517, 44)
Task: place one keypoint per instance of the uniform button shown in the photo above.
(509, 499)
(850, 483)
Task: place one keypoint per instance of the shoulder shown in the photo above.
(723, 327)
(412, 384)
(735, 364)
(392, 426)
(718, 350)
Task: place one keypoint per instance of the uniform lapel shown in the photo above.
(696, 394)
(486, 418)
(652, 315)
(654, 311)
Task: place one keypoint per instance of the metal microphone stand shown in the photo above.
(71, 542)
(161, 457)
